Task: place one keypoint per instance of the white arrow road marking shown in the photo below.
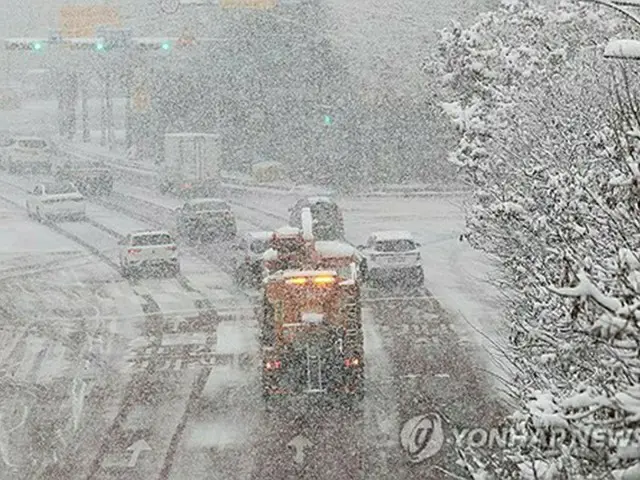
(299, 443)
(137, 448)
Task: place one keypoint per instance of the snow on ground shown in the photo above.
(24, 244)
(236, 338)
(118, 223)
(381, 410)
(454, 273)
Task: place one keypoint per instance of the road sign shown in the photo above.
(80, 21)
(259, 4)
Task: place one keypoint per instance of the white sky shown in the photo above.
(379, 34)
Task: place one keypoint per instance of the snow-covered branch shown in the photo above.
(586, 289)
(552, 151)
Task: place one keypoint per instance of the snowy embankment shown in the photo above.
(556, 199)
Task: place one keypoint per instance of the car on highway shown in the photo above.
(205, 219)
(249, 264)
(392, 256)
(145, 250)
(328, 223)
(91, 177)
(51, 200)
(28, 154)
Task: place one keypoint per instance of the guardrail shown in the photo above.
(149, 175)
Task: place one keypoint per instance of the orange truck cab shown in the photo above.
(290, 249)
(311, 333)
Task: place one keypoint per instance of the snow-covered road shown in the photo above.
(386, 325)
(111, 337)
(226, 419)
(455, 274)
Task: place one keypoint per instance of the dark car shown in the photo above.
(205, 219)
(249, 263)
(90, 177)
(326, 215)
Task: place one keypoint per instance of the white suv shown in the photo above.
(148, 249)
(56, 200)
(393, 256)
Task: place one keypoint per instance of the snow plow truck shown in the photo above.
(311, 322)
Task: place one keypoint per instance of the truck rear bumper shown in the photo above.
(339, 381)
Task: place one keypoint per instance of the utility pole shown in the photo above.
(103, 111)
(109, 105)
(70, 104)
(128, 108)
(86, 135)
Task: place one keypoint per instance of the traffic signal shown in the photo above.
(328, 120)
(100, 46)
(35, 45)
(164, 45)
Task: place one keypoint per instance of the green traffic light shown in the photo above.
(100, 46)
(328, 120)
(165, 46)
(37, 46)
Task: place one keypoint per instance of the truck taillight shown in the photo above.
(351, 362)
(273, 365)
(319, 280)
(135, 250)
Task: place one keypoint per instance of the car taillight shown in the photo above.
(172, 247)
(135, 250)
(273, 365)
(351, 362)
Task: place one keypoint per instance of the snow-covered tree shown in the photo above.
(549, 137)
